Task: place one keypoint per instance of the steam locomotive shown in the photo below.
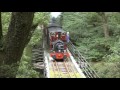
(56, 41)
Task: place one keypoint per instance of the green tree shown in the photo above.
(18, 32)
(25, 68)
(96, 35)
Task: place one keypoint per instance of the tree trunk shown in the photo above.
(17, 35)
(105, 24)
(61, 19)
(1, 44)
(1, 34)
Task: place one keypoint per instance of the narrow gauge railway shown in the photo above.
(57, 55)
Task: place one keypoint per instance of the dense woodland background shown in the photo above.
(95, 34)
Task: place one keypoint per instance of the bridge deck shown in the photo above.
(65, 69)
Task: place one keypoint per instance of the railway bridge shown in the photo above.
(69, 68)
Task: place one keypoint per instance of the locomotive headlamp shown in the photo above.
(59, 55)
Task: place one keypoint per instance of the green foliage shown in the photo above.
(107, 69)
(36, 37)
(41, 17)
(8, 71)
(25, 68)
(86, 31)
(114, 56)
(5, 21)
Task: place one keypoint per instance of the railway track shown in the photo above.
(60, 69)
(63, 69)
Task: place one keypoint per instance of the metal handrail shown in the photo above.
(88, 71)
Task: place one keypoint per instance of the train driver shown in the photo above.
(68, 37)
